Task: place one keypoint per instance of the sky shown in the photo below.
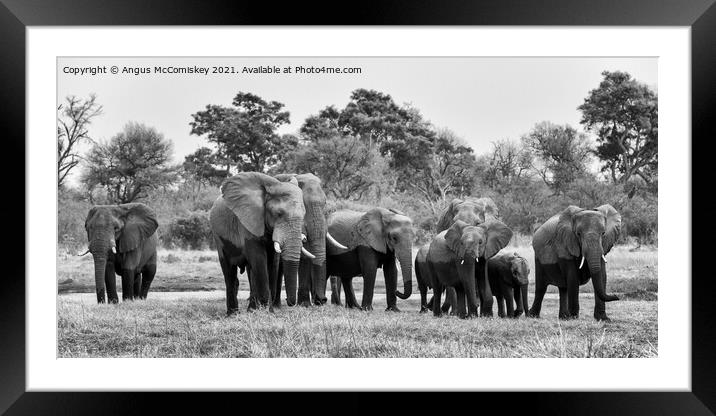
(480, 99)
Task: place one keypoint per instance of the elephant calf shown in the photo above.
(508, 274)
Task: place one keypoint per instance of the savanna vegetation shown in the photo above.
(370, 152)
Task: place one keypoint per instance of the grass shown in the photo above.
(628, 272)
(193, 323)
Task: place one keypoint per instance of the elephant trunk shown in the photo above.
(290, 272)
(592, 252)
(316, 229)
(404, 256)
(99, 254)
(525, 305)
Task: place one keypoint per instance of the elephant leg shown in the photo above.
(459, 305)
(230, 278)
(369, 267)
(540, 290)
(500, 306)
(483, 285)
(148, 273)
(518, 303)
(430, 302)
(258, 262)
(450, 300)
(569, 269)
(390, 273)
(351, 301)
(252, 289)
(317, 278)
(275, 277)
(127, 284)
(437, 294)
(110, 282)
(600, 312)
(563, 305)
(137, 284)
(507, 296)
(335, 290)
(304, 282)
(424, 301)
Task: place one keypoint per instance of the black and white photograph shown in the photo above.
(357, 207)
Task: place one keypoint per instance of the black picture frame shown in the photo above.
(16, 15)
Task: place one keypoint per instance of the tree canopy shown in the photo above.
(133, 162)
(245, 133)
(623, 113)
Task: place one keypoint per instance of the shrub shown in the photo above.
(190, 232)
(72, 211)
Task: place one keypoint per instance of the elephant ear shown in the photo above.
(370, 228)
(565, 235)
(498, 236)
(448, 215)
(453, 237)
(244, 194)
(613, 227)
(90, 214)
(140, 222)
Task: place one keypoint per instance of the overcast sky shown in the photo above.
(480, 99)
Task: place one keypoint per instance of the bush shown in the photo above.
(72, 211)
(191, 232)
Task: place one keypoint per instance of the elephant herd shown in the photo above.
(275, 229)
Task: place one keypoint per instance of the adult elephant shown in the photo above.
(122, 240)
(472, 211)
(457, 258)
(562, 245)
(311, 271)
(374, 239)
(508, 274)
(256, 222)
(469, 210)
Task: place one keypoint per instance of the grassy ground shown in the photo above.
(185, 317)
(629, 272)
(195, 325)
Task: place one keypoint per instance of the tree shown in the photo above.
(245, 134)
(506, 163)
(74, 116)
(624, 115)
(201, 166)
(133, 162)
(348, 168)
(561, 154)
(446, 171)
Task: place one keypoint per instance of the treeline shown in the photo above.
(374, 152)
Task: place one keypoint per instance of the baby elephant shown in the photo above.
(508, 274)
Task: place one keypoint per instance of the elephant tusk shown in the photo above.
(307, 253)
(80, 255)
(114, 250)
(334, 242)
(582, 263)
(277, 247)
(604, 258)
(462, 261)
(477, 259)
(303, 237)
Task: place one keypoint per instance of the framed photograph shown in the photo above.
(463, 198)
